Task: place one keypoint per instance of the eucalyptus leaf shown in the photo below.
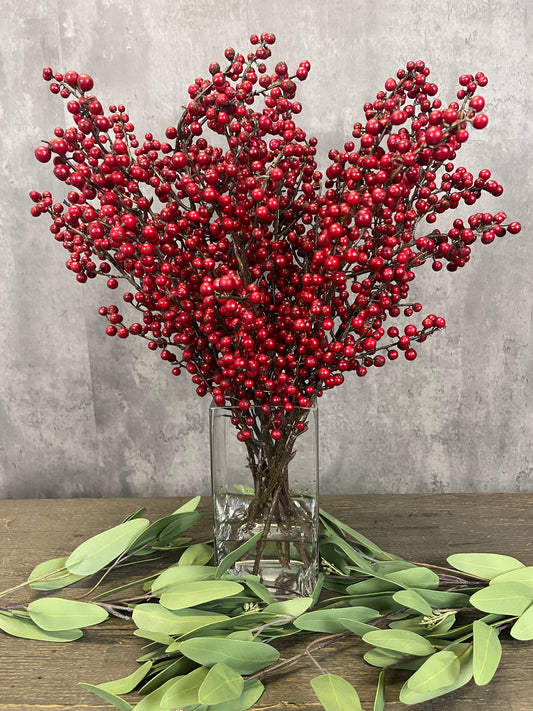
(333, 621)
(228, 561)
(358, 628)
(179, 574)
(52, 575)
(487, 652)
(198, 592)
(251, 694)
(158, 637)
(136, 514)
(370, 546)
(126, 683)
(410, 696)
(519, 575)
(484, 565)
(438, 671)
(222, 683)
(379, 700)
(156, 618)
(291, 608)
(154, 532)
(418, 577)
(402, 641)
(258, 589)
(107, 696)
(440, 599)
(523, 627)
(244, 657)
(27, 629)
(179, 524)
(54, 613)
(413, 600)
(184, 691)
(385, 658)
(153, 701)
(335, 693)
(96, 552)
(197, 554)
(371, 586)
(504, 598)
(171, 670)
(190, 505)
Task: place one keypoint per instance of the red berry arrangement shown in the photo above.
(263, 278)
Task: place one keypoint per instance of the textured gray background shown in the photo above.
(85, 415)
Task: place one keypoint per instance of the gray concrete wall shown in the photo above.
(85, 415)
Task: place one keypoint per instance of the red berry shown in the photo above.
(43, 154)
(85, 82)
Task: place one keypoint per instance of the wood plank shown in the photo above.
(38, 676)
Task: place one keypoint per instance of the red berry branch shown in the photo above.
(261, 277)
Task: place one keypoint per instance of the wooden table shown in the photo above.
(37, 676)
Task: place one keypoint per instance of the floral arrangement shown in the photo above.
(263, 278)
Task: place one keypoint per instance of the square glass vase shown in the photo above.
(267, 487)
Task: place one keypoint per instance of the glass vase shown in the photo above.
(267, 487)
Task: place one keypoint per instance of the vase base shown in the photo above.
(283, 582)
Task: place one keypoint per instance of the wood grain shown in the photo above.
(37, 676)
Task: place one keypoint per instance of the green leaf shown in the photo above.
(438, 671)
(417, 577)
(179, 524)
(54, 613)
(184, 691)
(366, 542)
(484, 565)
(413, 600)
(371, 586)
(520, 575)
(292, 608)
(27, 629)
(190, 505)
(410, 696)
(440, 599)
(136, 514)
(503, 599)
(379, 700)
(487, 652)
(244, 657)
(335, 693)
(156, 618)
(251, 694)
(523, 627)
(153, 702)
(318, 588)
(126, 683)
(182, 574)
(107, 696)
(174, 668)
(221, 684)
(384, 658)
(400, 641)
(159, 637)
(258, 589)
(355, 626)
(228, 561)
(159, 529)
(197, 593)
(55, 575)
(96, 552)
(332, 621)
(197, 554)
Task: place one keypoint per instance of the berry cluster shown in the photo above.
(261, 277)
